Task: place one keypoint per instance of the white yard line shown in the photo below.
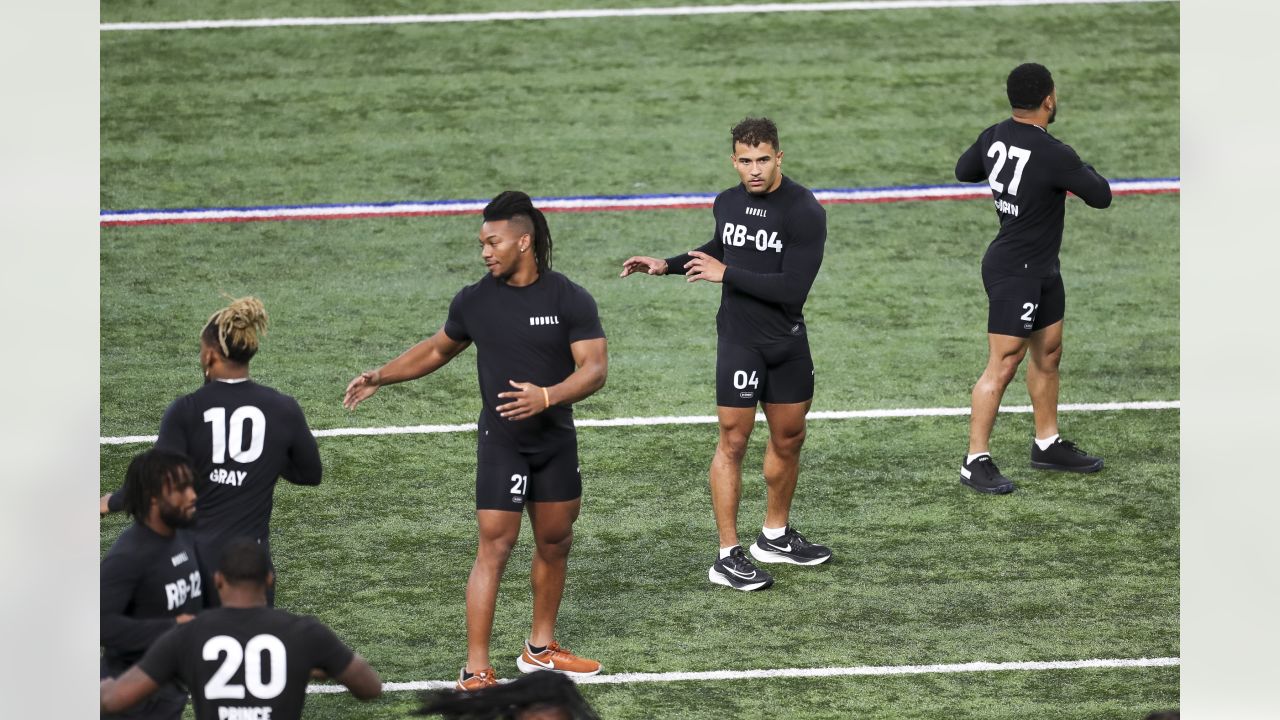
(708, 419)
(684, 10)
(711, 675)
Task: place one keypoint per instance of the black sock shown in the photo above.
(534, 650)
(467, 675)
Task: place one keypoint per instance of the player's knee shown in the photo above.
(497, 546)
(787, 443)
(1049, 360)
(555, 546)
(733, 445)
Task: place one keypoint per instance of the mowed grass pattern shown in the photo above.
(926, 571)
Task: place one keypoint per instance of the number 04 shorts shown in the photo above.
(777, 373)
(507, 479)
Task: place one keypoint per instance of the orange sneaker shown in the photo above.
(481, 679)
(558, 659)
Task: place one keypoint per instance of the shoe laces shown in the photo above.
(738, 560)
(1068, 445)
(797, 540)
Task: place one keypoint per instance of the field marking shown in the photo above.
(708, 419)
(602, 203)
(628, 678)
(685, 10)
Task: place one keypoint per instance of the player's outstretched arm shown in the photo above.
(361, 679)
(422, 359)
(124, 692)
(644, 264)
(526, 399)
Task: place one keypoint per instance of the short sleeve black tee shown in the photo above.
(772, 247)
(523, 334)
(145, 581)
(238, 661)
(241, 437)
(1029, 172)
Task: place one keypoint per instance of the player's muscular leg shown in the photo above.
(553, 536)
(1042, 378)
(498, 532)
(1005, 352)
(726, 469)
(782, 457)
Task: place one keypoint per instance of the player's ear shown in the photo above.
(271, 578)
(219, 581)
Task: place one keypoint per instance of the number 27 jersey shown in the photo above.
(1029, 172)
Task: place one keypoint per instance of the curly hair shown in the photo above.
(149, 473)
(755, 131)
(1028, 85)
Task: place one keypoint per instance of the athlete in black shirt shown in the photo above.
(1030, 173)
(149, 580)
(244, 660)
(766, 250)
(241, 436)
(539, 348)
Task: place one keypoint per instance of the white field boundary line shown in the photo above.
(711, 675)
(834, 196)
(684, 10)
(707, 419)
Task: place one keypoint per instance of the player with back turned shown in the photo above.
(149, 581)
(1030, 173)
(241, 437)
(766, 249)
(243, 659)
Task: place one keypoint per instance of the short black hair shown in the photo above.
(1028, 85)
(543, 690)
(149, 473)
(755, 131)
(244, 560)
(516, 205)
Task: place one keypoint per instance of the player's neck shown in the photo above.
(227, 371)
(1040, 120)
(525, 275)
(158, 526)
(233, 596)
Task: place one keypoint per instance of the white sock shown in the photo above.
(1044, 444)
(774, 533)
(724, 552)
(970, 458)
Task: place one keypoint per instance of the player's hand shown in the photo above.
(103, 506)
(359, 389)
(640, 263)
(185, 618)
(527, 400)
(704, 267)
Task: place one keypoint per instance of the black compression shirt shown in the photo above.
(1030, 172)
(523, 334)
(247, 662)
(145, 581)
(772, 248)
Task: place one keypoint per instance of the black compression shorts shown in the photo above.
(778, 373)
(507, 478)
(1019, 305)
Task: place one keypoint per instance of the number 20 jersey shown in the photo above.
(1029, 172)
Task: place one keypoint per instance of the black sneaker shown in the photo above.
(1063, 455)
(983, 475)
(790, 548)
(737, 572)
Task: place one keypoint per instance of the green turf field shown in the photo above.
(926, 571)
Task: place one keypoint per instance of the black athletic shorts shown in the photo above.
(1020, 305)
(778, 373)
(507, 478)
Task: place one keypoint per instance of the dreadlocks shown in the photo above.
(149, 473)
(545, 691)
(516, 206)
(235, 329)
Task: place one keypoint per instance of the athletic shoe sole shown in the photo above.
(527, 667)
(719, 579)
(768, 556)
(998, 490)
(1068, 468)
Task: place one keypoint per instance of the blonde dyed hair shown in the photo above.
(238, 328)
